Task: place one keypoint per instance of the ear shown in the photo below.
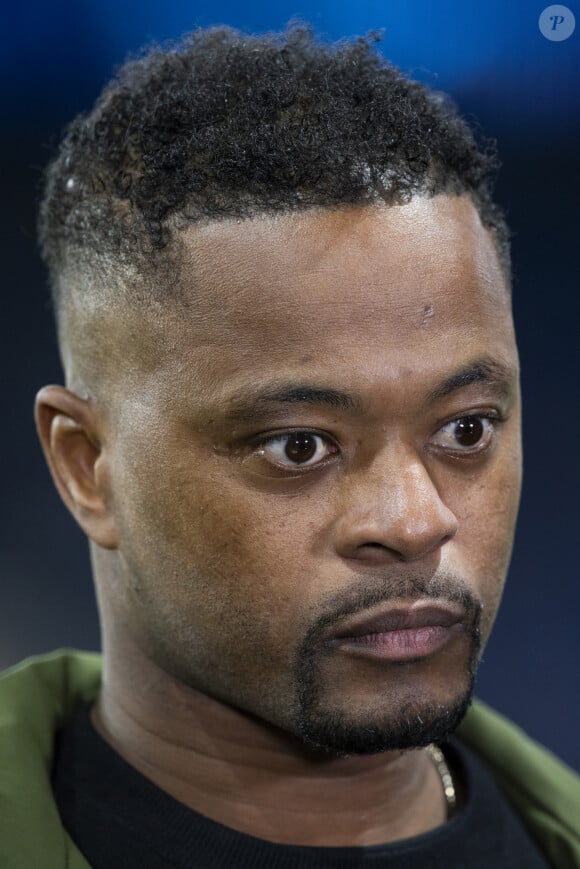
(68, 430)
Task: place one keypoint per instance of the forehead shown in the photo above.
(315, 282)
(421, 247)
(385, 294)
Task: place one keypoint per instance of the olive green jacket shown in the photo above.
(39, 695)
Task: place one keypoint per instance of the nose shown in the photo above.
(392, 510)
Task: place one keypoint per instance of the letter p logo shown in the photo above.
(557, 23)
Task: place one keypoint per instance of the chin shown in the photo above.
(412, 723)
(349, 705)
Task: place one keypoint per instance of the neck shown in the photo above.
(253, 777)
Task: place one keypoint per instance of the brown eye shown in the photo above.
(468, 435)
(300, 447)
(295, 449)
(468, 431)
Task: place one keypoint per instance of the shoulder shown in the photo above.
(40, 693)
(544, 791)
(36, 698)
(63, 671)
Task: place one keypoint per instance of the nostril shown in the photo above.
(372, 552)
(410, 549)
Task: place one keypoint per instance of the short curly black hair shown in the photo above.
(223, 124)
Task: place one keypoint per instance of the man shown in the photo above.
(291, 432)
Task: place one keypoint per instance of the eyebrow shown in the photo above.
(242, 409)
(485, 370)
(245, 407)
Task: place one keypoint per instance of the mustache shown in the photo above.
(369, 592)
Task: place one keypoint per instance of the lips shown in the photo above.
(401, 633)
(399, 618)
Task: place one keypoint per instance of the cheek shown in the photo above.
(210, 584)
(487, 520)
(197, 543)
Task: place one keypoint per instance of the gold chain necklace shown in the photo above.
(438, 759)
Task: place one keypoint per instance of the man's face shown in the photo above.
(316, 488)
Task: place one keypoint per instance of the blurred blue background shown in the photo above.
(510, 82)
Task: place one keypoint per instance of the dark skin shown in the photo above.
(216, 545)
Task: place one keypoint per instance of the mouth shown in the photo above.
(401, 633)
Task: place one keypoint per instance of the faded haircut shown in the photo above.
(228, 125)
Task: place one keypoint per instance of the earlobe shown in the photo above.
(67, 429)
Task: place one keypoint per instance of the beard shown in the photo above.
(396, 722)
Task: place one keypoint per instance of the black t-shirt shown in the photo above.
(121, 820)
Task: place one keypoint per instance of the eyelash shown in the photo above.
(300, 468)
(494, 418)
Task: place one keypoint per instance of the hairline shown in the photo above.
(171, 301)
